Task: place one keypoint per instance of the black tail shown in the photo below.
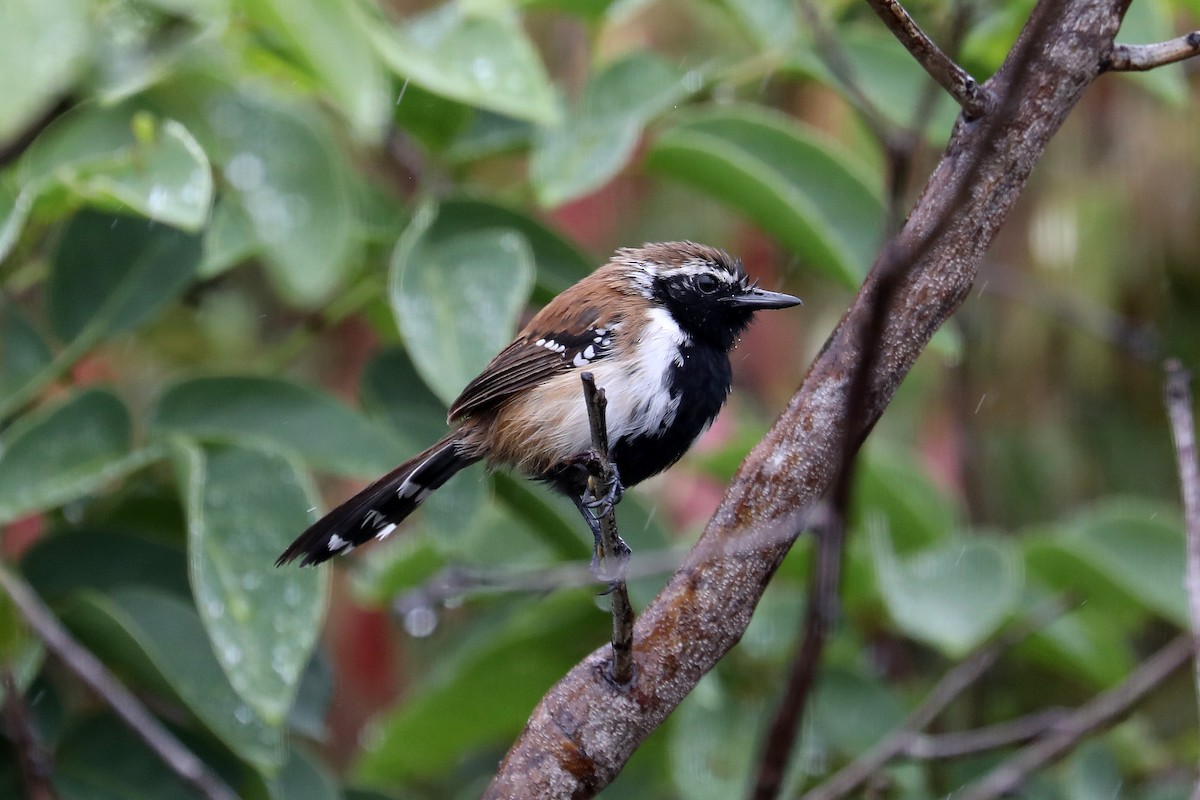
(378, 509)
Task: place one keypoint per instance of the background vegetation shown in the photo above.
(249, 251)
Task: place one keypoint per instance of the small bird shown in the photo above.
(654, 326)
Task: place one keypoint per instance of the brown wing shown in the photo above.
(571, 332)
(527, 362)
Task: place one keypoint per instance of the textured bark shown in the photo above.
(585, 728)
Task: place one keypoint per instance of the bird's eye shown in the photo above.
(707, 284)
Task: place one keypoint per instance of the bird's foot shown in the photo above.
(614, 490)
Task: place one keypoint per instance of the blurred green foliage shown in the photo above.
(246, 244)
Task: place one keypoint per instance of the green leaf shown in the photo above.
(853, 712)
(917, 512)
(953, 595)
(559, 262)
(1148, 22)
(482, 60)
(795, 184)
(488, 691)
(489, 272)
(229, 239)
(890, 77)
(392, 389)
(23, 352)
(161, 639)
(102, 560)
(113, 273)
(244, 508)
(772, 23)
(43, 44)
(102, 759)
(1139, 546)
(331, 41)
(285, 171)
(65, 452)
(284, 415)
(303, 778)
(120, 157)
(703, 765)
(601, 133)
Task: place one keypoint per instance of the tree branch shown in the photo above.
(33, 762)
(974, 100)
(584, 730)
(1091, 718)
(88, 669)
(960, 744)
(1143, 57)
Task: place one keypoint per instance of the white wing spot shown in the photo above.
(336, 542)
(371, 519)
(579, 359)
(589, 352)
(385, 531)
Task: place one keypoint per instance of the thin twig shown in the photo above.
(1091, 718)
(457, 582)
(820, 615)
(96, 676)
(961, 744)
(601, 477)
(1142, 57)
(1177, 392)
(838, 64)
(952, 684)
(33, 761)
(966, 91)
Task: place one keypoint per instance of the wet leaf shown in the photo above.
(282, 415)
(43, 45)
(489, 272)
(952, 595)
(480, 59)
(97, 154)
(159, 637)
(244, 508)
(66, 451)
(600, 135)
(112, 273)
(793, 183)
(331, 41)
(23, 351)
(488, 690)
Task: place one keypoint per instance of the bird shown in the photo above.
(654, 326)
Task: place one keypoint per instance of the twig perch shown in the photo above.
(974, 100)
(1178, 396)
(611, 547)
(1142, 57)
(1089, 719)
(953, 683)
(96, 676)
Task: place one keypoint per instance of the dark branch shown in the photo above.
(88, 669)
(602, 476)
(1178, 396)
(820, 614)
(973, 98)
(961, 744)
(952, 684)
(1142, 57)
(1091, 718)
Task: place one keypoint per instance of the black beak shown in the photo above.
(756, 299)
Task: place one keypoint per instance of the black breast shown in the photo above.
(701, 385)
